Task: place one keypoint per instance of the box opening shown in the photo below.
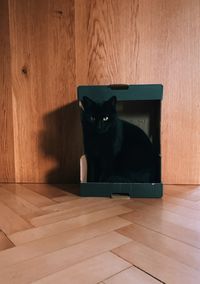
(145, 114)
(137, 106)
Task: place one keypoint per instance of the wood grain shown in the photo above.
(89, 271)
(167, 223)
(50, 47)
(46, 245)
(157, 264)
(144, 42)
(48, 190)
(22, 207)
(177, 209)
(131, 276)
(158, 238)
(188, 221)
(65, 198)
(180, 251)
(32, 197)
(10, 222)
(43, 84)
(24, 272)
(7, 166)
(193, 194)
(70, 224)
(84, 207)
(5, 243)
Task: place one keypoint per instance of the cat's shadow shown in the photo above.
(61, 141)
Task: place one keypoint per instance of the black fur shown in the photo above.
(116, 151)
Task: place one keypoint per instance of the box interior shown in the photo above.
(145, 114)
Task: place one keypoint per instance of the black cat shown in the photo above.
(116, 151)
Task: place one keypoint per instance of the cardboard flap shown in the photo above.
(83, 169)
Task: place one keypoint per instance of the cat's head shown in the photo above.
(98, 117)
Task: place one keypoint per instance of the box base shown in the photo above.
(138, 190)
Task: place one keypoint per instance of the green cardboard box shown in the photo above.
(141, 105)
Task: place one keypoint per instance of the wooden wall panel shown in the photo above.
(48, 47)
(43, 83)
(7, 170)
(144, 41)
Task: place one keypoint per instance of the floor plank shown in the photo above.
(181, 188)
(22, 207)
(33, 197)
(80, 202)
(58, 235)
(186, 221)
(191, 193)
(10, 222)
(180, 251)
(174, 208)
(89, 271)
(5, 243)
(84, 207)
(47, 190)
(39, 267)
(131, 276)
(64, 198)
(61, 240)
(182, 202)
(66, 225)
(158, 221)
(158, 265)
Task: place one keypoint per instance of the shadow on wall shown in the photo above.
(61, 140)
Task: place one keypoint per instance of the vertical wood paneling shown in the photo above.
(7, 171)
(106, 41)
(128, 41)
(43, 72)
(146, 41)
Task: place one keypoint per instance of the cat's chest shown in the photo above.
(100, 146)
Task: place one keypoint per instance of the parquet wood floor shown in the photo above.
(48, 234)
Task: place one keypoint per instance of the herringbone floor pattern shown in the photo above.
(48, 234)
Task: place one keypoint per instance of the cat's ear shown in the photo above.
(112, 102)
(86, 103)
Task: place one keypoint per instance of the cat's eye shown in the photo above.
(105, 118)
(92, 118)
